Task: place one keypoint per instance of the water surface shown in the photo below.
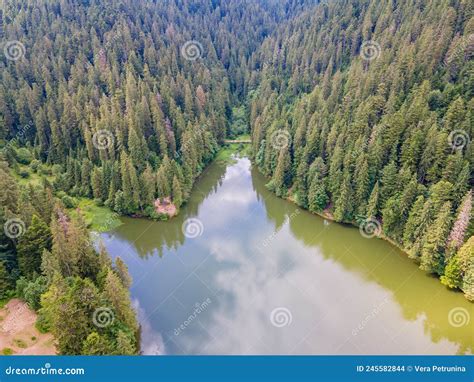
(265, 277)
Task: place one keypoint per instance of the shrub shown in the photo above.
(23, 156)
(35, 165)
(42, 323)
(7, 351)
(24, 173)
(69, 202)
(31, 291)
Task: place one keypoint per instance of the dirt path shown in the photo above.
(18, 332)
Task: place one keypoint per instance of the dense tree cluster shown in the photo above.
(359, 109)
(51, 261)
(107, 92)
(105, 102)
(382, 134)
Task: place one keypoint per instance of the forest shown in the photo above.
(359, 110)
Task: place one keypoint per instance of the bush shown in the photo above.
(35, 165)
(24, 173)
(109, 203)
(42, 323)
(152, 214)
(56, 169)
(23, 156)
(7, 351)
(44, 170)
(69, 202)
(31, 291)
(20, 343)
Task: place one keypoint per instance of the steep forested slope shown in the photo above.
(361, 110)
(128, 98)
(121, 101)
(365, 112)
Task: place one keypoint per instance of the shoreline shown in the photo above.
(328, 216)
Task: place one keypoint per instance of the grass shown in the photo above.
(98, 218)
(34, 178)
(243, 137)
(10, 294)
(20, 343)
(226, 154)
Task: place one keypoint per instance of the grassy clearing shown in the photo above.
(98, 218)
(33, 177)
(227, 153)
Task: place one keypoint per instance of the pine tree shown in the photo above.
(373, 203)
(31, 245)
(344, 204)
(118, 296)
(69, 310)
(432, 255)
(318, 198)
(95, 344)
(5, 281)
(177, 193)
(468, 281)
(413, 221)
(281, 176)
(460, 270)
(453, 275)
(301, 184)
(389, 183)
(456, 237)
(148, 183)
(122, 272)
(125, 345)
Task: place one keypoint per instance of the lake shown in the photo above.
(241, 271)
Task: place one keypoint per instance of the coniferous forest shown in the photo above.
(361, 111)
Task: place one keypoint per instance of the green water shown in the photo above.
(265, 277)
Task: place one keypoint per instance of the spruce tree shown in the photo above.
(432, 255)
(31, 245)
